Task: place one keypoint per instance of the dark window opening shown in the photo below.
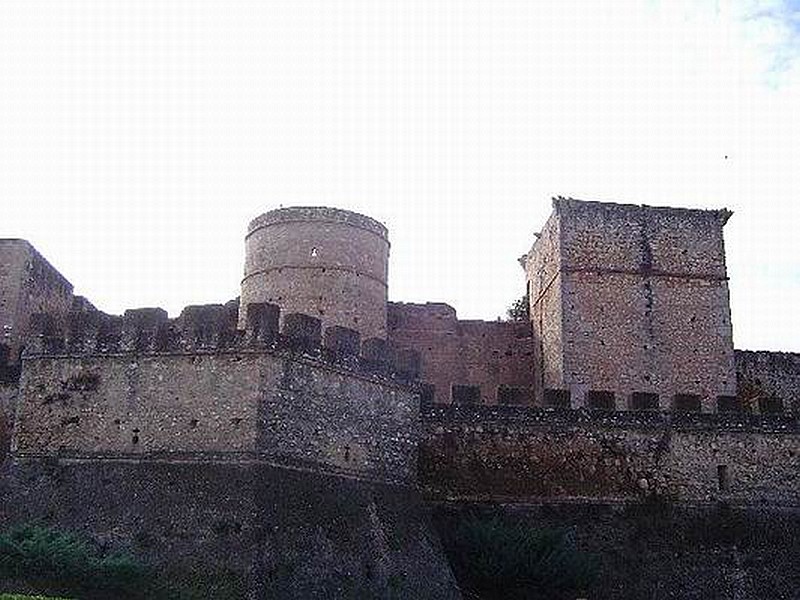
(507, 394)
(193, 423)
(427, 392)
(347, 453)
(729, 404)
(135, 438)
(466, 394)
(723, 478)
(686, 402)
(644, 401)
(599, 400)
(770, 405)
(556, 398)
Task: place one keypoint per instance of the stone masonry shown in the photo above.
(630, 306)
(325, 262)
(28, 284)
(294, 428)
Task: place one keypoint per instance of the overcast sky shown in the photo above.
(138, 138)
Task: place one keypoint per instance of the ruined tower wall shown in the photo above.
(644, 303)
(325, 262)
(28, 284)
(493, 359)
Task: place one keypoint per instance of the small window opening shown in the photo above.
(427, 393)
(193, 423)
(313, 252)
(600, 400)
(686, 402)
(135, 438)
(347, 453)
(466, 394)
(723, 478)
(556, 398)
(770, 405)
(644, 401)
(507, 394)
(729, 404)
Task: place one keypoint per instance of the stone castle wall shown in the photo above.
(28, 284)
(544, 285)
(643, 303)
(466, 361)
(481, 452)
(328, 263)
(195, 387)
(769, 381)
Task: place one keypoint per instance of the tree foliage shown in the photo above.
(61, 561)
(520, 310)
(495, 558)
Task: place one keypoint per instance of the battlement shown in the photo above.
(212, 328)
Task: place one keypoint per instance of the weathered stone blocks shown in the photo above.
(263, 321)
(302, 332)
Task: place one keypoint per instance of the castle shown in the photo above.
(621, 387)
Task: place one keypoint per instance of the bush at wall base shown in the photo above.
(495, 559)
(46, 559)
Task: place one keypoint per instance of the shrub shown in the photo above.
(497, 558)
(63, 561)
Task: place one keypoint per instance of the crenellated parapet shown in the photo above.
(212, 328)
(283, 390)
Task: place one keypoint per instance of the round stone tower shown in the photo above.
(325, 262)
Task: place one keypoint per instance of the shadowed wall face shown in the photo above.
(325, 262)
(494, 358)
(28, 284)
(630, 299)
(246, 403)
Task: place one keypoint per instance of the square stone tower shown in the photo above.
(630, 307)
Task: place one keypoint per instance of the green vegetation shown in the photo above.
(50, 560)
(520, 310)
(57, 563)
(495, 558)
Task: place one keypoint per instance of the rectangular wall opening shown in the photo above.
(723, 478)
(507, 394)
(466, 394)
(644, 401)
(556, 398)
(770, 406)
(729, 404)
(686, 402)
(599, 400)
(427, 392)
